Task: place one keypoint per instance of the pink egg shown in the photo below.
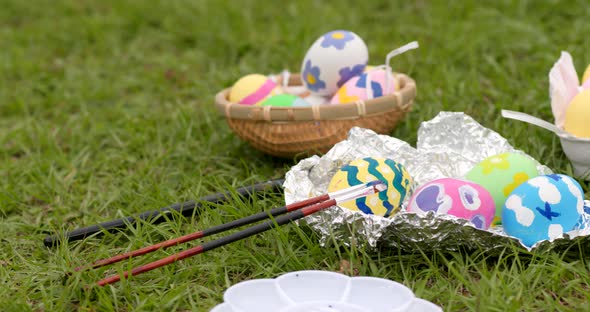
(355, 89)
(460, 198)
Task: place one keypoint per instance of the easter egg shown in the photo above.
(332, 60)
(577, 115)
(315, 99)
(253, 89)
(460, 198)
(368, 169)
(369, 68)
(501, 174)
(285, 100)
(311, 98)
(367, 86)
(586, 78)
(543, 208)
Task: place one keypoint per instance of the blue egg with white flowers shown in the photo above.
(543, 208)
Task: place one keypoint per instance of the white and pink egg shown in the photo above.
(460, 198)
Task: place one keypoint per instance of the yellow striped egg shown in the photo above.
(253, 89)
(360, 171)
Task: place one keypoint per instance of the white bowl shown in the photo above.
(577, 151)
(321, 291)
(421, 305)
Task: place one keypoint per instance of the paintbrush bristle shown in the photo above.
(380, 186)
(367, 189)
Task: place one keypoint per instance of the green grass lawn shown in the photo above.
(106, 110)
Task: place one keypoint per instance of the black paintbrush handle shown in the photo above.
(186, 209)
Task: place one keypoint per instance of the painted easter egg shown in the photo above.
(315, 99)
(584, 221)
(586, 78)
(369, 68)
(285, 100)
(309, 97)
(364, 170)
(543, 208)
(332, 60)
(253, 89)
(501, 174)
(577, 115)
(367, 86)
(460, 198)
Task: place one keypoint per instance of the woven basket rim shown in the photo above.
(401, 99)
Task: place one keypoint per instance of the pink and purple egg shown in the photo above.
(456, 197)
(369, 85)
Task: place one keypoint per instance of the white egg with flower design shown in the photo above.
(332, 60)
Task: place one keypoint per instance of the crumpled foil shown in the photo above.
(449, 145)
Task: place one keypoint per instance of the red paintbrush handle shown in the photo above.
(145, 250)
(153, 265)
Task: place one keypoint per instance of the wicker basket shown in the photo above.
(301, 131)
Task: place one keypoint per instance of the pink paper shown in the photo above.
(563, 86)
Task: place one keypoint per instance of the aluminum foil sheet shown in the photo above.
(449, 145)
